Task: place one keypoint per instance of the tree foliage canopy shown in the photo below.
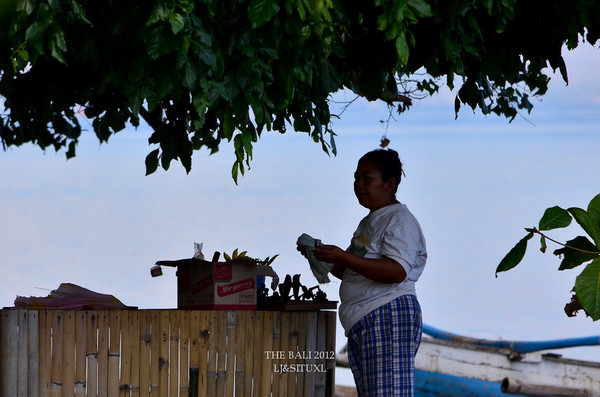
(203, 71)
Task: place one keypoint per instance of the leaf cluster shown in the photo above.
(206, 72)
(199, 72)
(575, 252)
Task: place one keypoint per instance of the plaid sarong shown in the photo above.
(382, 348)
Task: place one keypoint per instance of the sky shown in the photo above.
(474, 184)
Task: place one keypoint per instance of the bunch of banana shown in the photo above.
(235, 255)
(239, 257)
(242, 257)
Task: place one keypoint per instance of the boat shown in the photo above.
(451, 365)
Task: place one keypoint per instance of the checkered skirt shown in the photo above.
(382, 348)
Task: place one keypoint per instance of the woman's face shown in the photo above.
(370, 188)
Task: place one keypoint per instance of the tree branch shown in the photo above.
(535, 230)
(153, 118)
(386, 96)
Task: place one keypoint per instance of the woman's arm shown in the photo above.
(338, 270)
(383, 270)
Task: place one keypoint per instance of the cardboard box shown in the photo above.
(216, 285)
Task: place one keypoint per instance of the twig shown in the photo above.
(535, 230)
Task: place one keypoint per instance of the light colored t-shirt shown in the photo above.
(393, 232)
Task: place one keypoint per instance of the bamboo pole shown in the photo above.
(184, 352)
(311, 331)
(204, 338)
(145, 339)
(57, 354)
(240, 356)
(125, 324)
(276, 347)
(154, 353)
(8, 351)
(68, 352)
(44, 339)
(232, 329)
(293, 347)
(134, 383)
(222, 352)
(22, 350)
(258, 354)
(267, 346)
(301, 347)
(194, 367)
(322, 354)
(213, 337)
(249, 355)
(284, 347)
(80, 344)
(114, 353)
(33, 359)
(91, 342)
(163, 353)
(174, 351)
(103, 346)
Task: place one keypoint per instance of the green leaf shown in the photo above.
(159, 13)
(59, 38)
(332, 143)
(152, 162)
(186, 6)
(35, 30)
(239, 150)
(262, 11)
(594, 214)
(246, 138)
(402, 49)
(420, 7)
(234, 171)
(515, 255)
(208, 57)
(71, 151)
(56, 44)
(543, 245)
(330, 78)
(587, 289)
(301, 124)
(228, 125)
(177, 23)
(25, 5)
(573, 257)
(156, 45)
(526, 104)
(189, 76)
(590, 220)
(79, 12)
(554, 218)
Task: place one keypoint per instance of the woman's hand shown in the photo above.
(329, 253)
(383, 270)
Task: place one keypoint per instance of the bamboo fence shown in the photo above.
(183, 353)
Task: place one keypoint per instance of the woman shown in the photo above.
(379, 309)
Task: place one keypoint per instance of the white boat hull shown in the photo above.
(528, 374)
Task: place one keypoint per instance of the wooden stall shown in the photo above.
(185, 353)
